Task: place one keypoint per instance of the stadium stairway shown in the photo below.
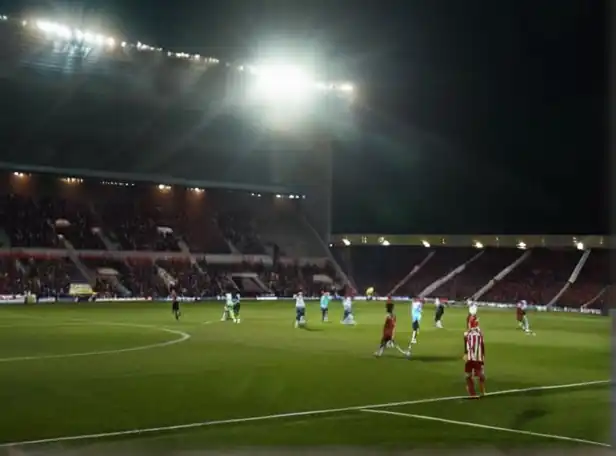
(412, 272)
(500, 276)
(439, 282)
(185, 249)
(592, 279)
(72, 254)
(572, 279)
(167, 278)
(478, 273)
(109, 245)
(603, 292)
(346, 279)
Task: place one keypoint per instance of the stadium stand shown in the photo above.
(377, 266)
(592, 281)
(556, 270)
(128, 239)
(537, 279)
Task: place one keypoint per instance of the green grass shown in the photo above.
(264, 366)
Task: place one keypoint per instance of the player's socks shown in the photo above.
(414, 337)
(482, 386)
(470, 387)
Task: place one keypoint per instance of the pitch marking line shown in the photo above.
(485, 426)
(183, 337)
(179, 427)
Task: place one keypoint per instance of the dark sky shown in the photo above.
(474, 116)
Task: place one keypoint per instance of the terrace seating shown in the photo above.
(71, 219)
(377, 266)
(445, 260)
(49, 277)
(478, 273)
(241, 230)
(537, 279)
(20, 217)
(10, 278)
(593, 278)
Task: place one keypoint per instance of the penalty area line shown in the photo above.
(485, 426)
(357, 408)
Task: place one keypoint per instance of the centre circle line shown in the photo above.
(183, 337)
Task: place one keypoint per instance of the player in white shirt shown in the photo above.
(523, 322)
(416, 314)
(347, 309)
(300, 310)
(228, 312)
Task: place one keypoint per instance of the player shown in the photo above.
(175, 304)
(438, 314)
(300, 310)
(236, 307)
(369, 293)
(416, 311)
(523, 323)
(389, 330)
(228, 313)
(325, 298)
(347, 309)
(474, 357)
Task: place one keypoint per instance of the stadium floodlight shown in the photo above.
(346, 242)
(579, 246)
(522, 245)
(280, 82)
(425, 244)
(478, 245)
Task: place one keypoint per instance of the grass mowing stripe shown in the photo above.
(183, 337)
(360, 408)
(485, 426)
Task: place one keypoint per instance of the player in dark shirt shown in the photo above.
(175, 304)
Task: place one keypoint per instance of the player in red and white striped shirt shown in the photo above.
(474, 356)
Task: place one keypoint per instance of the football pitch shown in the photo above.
(127, 375)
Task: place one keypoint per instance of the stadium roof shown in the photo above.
(146, 178)
(273, 74)
(521, 241)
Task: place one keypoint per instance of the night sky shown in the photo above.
(474, 116)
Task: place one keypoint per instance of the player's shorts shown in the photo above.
(415, 325)
(439, 313)
(175, 306)
(300, 312)
(387, 338)
(520, 316)
(236, 308)
(474, 369)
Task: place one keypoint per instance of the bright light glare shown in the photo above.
(281, 82)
